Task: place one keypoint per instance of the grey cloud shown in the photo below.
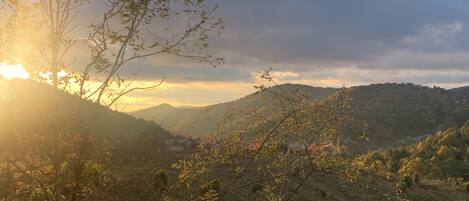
(319, 38)
(324, 32)
(182, 73)
(356, 75)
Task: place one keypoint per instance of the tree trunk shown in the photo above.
(54, 60)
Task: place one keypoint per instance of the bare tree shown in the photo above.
(290, 145)
(130, 31)
(58, 16)
(10, 4)
(9, 40)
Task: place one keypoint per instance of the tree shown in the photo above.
(282, 159)
(51, 21)
(11, 33)
(58, 16)
(130, 31)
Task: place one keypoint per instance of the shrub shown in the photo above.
(213, 186)
(407, 178)
(404, 183)
(256, 188)
(161, 178)
(466, 186)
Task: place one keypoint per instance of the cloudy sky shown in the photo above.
(328, 43)
(320, 43)
(349, 42)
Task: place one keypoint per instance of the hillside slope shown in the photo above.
(403, 112)
(438, 156)
(202, 121)
(388, 114)
(440, 161)
(29, 107)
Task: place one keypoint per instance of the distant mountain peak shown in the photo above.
(294, 86)
(201, 121)
(165, 105)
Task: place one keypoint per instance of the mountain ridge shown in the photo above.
(394, 112)
(29, 106)
(201, 121)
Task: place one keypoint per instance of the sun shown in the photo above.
(13, 71)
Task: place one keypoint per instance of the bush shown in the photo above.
(161, 178)
(408, 180)
(466, 186)
(404, 183)
(213, 186)
(256, 188)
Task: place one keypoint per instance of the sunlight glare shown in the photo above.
(13, 71)
(62, 74)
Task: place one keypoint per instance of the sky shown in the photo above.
(321, 43)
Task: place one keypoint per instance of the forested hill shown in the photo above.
(461, 91)
(62, 141)
(30, 107)
(202, 121)
(387, 114)
(401, 112)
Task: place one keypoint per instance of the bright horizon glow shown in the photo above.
(13, 71)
